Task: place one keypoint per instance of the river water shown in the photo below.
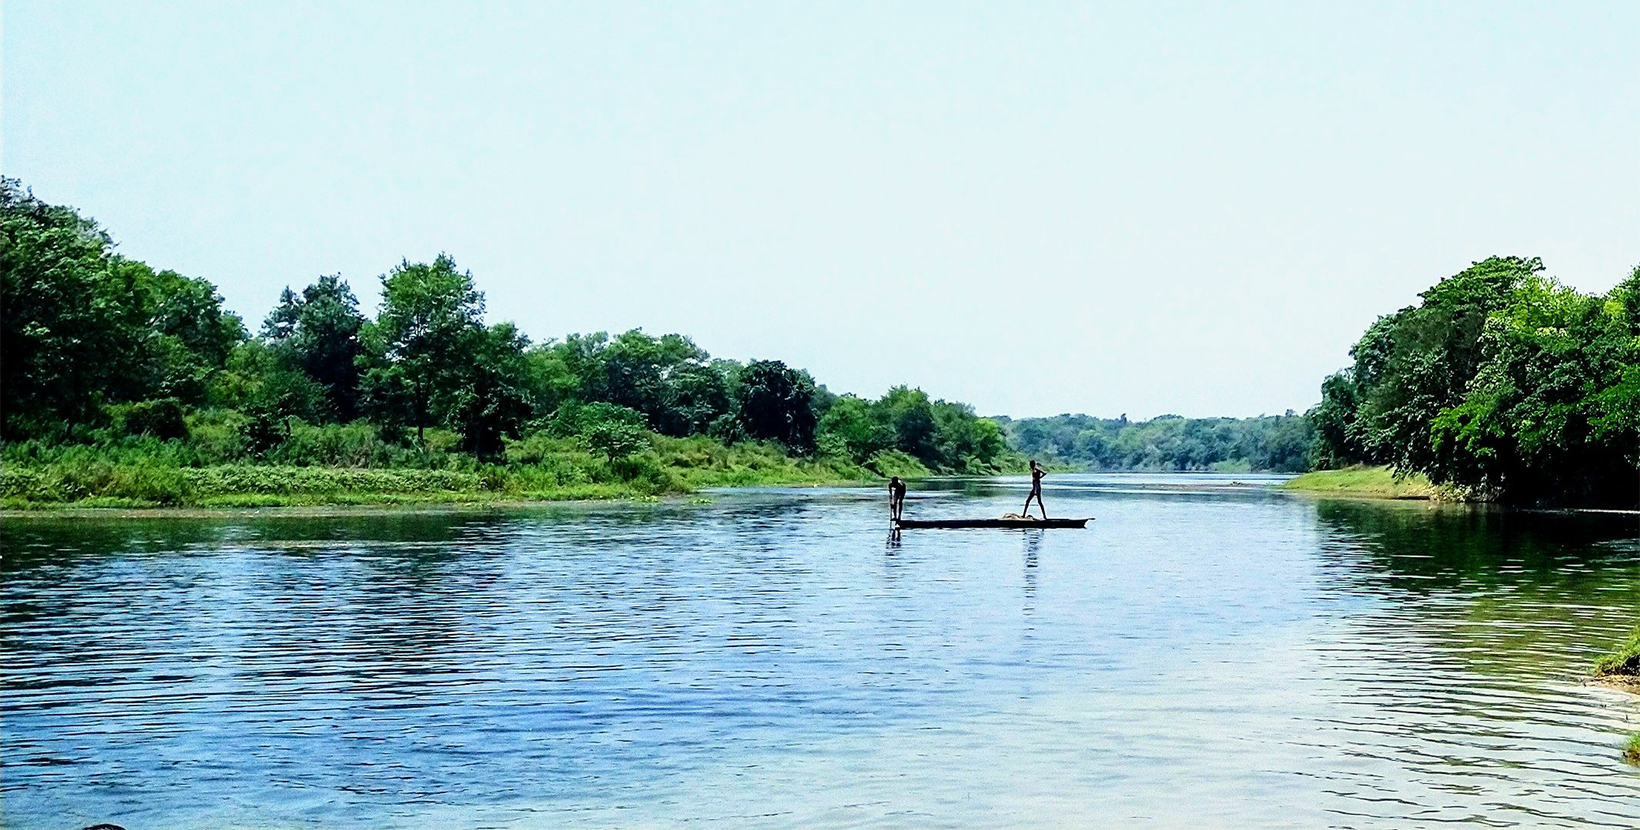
(1208, 658)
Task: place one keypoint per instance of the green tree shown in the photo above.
(422, 344)
(494, 401)
(1500, 381)
(81, 327)
(696, 395)
(1167, 442)
(1338, 442)
(910, 414)
(1429, 353)
(617, 441)
(257, 377)
(644, 373)
(775, 402)
(189, 335)
(317, 332)
(61, 336)
(1535, 424)
(853, 425)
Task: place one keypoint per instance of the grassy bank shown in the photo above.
(535, 470)
(1624, 662)
(1368, 482)
(1621, 668)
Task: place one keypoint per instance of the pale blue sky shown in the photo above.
(1033, 207)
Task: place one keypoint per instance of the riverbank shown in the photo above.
(670, 467)
(1621, 667)
(1369, 482)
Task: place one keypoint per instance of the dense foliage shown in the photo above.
(1270, 442)
(141, 366)
(1501, 382)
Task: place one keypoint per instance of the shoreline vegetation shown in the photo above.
(127, 386)
(1620, 669)
(671, 467)
(1362, 481)
(1500, 384)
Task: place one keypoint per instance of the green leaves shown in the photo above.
(775, 403)
(905, 430)
(97, 346)
(1502, 382)
(1169, 442)
(83, 327)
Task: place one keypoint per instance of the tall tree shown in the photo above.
(495, 399)
(422, 342)
(318, 332)
(61, 337)
(775, 402)
(81, 326)
(910, 414)
(1429, 353)
(1500, 381)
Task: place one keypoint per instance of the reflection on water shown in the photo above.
(780, 658)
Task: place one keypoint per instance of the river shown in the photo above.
(1197, 657)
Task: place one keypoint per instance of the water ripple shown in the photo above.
(1209, 659)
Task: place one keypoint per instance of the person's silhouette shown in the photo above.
(1036, 491)
(896, 498)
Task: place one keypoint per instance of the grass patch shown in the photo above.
(1369, 482)
(1631, 753)
(1624, 662)
(540, 468)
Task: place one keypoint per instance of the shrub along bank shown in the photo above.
(328, 471)
(127, 384)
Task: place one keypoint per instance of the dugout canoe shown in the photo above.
(1012, 523)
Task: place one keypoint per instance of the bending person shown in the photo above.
(896, 498)
(1036, 492)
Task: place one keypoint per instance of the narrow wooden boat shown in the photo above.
(1015, 523)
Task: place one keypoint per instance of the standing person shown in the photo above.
(896, 497)
(1036, 491)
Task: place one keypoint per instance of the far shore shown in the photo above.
(1367, 483)
(363, 504)
(362, 508)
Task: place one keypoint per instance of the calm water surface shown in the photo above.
(774, 658)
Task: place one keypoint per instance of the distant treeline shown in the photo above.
(1500, 382)
(106, 351)
(1280, 443)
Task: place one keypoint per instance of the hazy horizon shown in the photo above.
(1191, 210)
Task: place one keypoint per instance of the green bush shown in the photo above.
(78, 479)
(218, 436)
(495, 479)
(289, 481)
(576, 418)
(615, 440)
(352, 463)
(340, 445)
(1625, 661)
(149, 483)
(896, 463)
(647, 474)
(161, 418)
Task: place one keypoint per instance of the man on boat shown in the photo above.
(1036, 491)
(896, 497)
